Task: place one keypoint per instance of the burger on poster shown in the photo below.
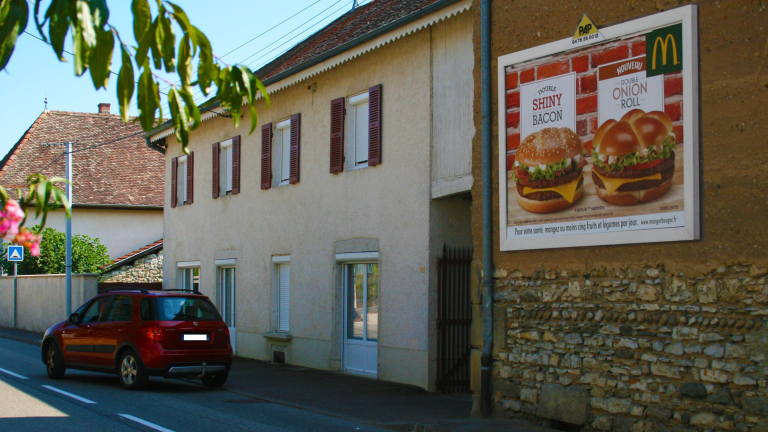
(634, 158)
(548, 170)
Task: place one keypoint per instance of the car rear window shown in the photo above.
(186, 309)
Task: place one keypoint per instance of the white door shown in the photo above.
(227, 284)
(361, 318)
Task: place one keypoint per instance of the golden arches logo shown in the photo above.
(664, 44)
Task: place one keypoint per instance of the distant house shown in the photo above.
(319, 236)
(117, 186)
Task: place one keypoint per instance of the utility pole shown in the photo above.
(68, 300)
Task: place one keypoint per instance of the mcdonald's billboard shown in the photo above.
(602, 139)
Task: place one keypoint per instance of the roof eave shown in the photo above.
(145, 252)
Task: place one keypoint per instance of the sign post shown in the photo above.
(15, 255)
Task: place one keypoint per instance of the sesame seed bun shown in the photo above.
(548, 146)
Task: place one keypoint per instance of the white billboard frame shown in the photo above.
(688, 15)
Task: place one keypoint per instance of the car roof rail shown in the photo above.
(142, 290)
(182, 290)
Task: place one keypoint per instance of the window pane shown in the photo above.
(121, 309)
(181, 182)
(186, 279)
(355, 305)
(361, 133)
(285, 169)
(186, 309)
(147, 313)
(228, 291)
(372, 317)
(225, 174)
(95, 310)
(195, 279)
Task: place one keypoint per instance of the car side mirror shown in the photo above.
(74, 318)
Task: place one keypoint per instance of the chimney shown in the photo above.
(104, 108)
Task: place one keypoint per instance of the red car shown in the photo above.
(136, 333)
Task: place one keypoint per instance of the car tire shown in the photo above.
(214, 381)
(131, 372)
(54, 362)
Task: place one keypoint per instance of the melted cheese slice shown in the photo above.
(611, 184)
(567, 190)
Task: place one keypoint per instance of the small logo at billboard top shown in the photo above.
(15, 253)
(664, 50)
(586, 33)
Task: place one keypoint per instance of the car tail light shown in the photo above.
(153, 332)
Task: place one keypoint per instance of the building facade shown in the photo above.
(651, 337)
(318, 235)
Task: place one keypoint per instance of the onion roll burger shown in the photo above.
(634, 158)
(548, 170)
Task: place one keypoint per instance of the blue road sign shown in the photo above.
(15, 253)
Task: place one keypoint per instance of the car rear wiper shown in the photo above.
(185, 316)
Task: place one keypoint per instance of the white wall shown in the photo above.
(121, 231)
(40, 299)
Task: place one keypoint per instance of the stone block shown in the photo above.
(507, 389)
(499, 327)
(612, 405)
(755, 406)
(528, 395)
(735, 351)
(715, 376)
(661, 369)
(603, 423)
(659, 412)
(704, 419)
(722, 397)
(566, 404)
(716, 351)
(693, 390)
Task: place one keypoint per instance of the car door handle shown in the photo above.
(121, 330)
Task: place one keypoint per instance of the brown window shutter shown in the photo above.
(215, 169)
(374, 125)
(236, 165)
(337, 135)
(174, 186)
(190, 178)
(295, 144)
(266, 156)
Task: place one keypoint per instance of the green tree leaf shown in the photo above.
(147, 98)
(142, 20)
(125, 84)
(13, 21)
(101, 58)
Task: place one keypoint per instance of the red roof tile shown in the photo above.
(348, 27)
(126, 172)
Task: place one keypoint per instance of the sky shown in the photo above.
(35, 73)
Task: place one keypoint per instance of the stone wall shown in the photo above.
(148, 268)
(634, 349)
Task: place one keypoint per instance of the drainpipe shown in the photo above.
(486, 360)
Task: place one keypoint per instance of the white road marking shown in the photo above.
(145, 423)
(12, 374)
(76, 397)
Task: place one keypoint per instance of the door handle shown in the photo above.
(121, 330)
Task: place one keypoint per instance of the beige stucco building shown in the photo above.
(334, 271)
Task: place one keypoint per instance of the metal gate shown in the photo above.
(454, 320)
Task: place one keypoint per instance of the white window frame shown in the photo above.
(277, 262)
(351, 133)
(181, 181)
(225, 168)
(282, 130)
(227, 306)
(188, 267)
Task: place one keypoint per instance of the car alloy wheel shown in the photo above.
(53, 363)
(128, 369)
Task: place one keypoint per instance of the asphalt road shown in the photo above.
(85, 401)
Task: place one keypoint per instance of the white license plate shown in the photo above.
(196, 337)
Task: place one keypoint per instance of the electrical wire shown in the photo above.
(88, 148)
(44, 41)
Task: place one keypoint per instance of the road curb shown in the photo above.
(22, 339)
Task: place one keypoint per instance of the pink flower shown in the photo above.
(29, 240)
(8, 228)
(13, 211)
